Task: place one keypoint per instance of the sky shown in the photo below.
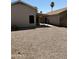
(44, 5)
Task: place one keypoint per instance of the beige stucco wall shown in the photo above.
(53, 19)
(20, 15)
(63, 18)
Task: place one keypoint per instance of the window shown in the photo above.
(31, 19)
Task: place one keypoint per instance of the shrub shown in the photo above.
(14, 27)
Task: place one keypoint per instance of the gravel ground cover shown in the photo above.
(39, 43)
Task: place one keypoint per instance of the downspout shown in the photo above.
(59, 19)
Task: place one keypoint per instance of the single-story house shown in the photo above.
(42, 18)
(23, 14)
(58, 17)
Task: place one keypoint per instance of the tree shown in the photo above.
(52, 5)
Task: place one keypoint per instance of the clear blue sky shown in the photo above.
(44, 5)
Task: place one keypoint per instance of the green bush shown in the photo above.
(14, 27)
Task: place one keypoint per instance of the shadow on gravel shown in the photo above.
(30, 28)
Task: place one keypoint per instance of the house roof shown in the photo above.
(42, 14)
(21, 2)
(57, 11)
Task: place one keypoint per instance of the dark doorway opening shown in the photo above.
(31, 19)
(37, 21)
(46, 20)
